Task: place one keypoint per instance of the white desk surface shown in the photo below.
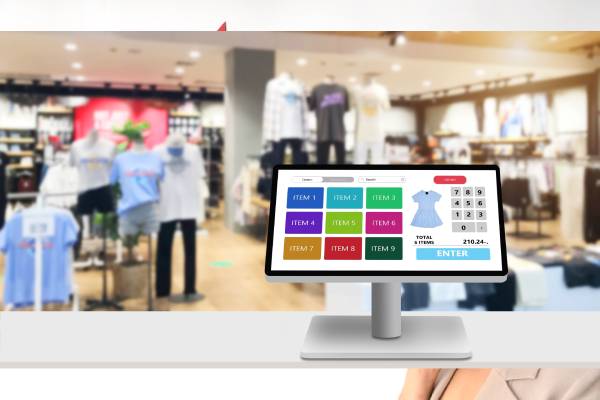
(273, 339)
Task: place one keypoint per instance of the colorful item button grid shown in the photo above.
(308, 221)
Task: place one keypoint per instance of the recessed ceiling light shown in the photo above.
(553, 38)
(396, 67)
(195, 54)
(352, 79)
(301, 62)
(179, 70)
(76, 65)
(80, 78)
(426, 83)
(70, 47)
(480, 72)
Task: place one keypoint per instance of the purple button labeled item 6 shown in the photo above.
(304, 222)
(384, 223)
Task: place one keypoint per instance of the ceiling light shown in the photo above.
(352, 79)
(399, 39)
(396, 67)
(179, 70)
(80, 78)
(301, 62)
(426, 83)
(480, 72)
(76, 65)
(553, 38)
(195, 54)
(70, 47)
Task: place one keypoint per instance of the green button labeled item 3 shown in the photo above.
(384, 198)
(343, 222)
(383, 248)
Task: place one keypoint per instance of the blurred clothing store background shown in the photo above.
(175, 217)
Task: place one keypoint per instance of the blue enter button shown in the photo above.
(448, 253)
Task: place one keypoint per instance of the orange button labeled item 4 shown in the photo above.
(450, 179)
(302, 248)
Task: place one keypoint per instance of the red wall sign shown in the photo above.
(104, 114)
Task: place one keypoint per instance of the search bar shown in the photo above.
(382, 179)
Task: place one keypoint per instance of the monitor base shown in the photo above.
(350, 337)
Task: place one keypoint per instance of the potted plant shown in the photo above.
(130, 275)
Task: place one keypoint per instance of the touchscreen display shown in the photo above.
(391, 220)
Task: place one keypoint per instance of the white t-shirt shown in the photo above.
(370, 101)
(285, 110)
(93, 160)
(180, 188)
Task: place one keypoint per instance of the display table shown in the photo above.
(273, 339)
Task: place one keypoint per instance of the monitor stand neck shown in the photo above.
(386, 310)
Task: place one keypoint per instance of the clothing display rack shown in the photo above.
(38, 269)
(92, 304)
(521, 208)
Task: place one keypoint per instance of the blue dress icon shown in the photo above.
(426, 216)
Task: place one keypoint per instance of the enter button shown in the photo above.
(447, 253)
(450, 179)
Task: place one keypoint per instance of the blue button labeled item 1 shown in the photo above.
(300, 197)
(446, 253)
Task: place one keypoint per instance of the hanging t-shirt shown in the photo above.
(370, 101)
(426, 216)
(330, 102)
(20, 261)
(138, 174)
(60, 178)
(181, 186)
(285, 111)
(93, 160)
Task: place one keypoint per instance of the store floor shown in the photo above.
(231, 272)
(230, 275)
(550, 230)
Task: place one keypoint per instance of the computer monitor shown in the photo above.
(386, 224)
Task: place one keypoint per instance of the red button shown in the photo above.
(450, 179)
(343, 248)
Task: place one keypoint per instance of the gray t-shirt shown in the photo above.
(330, 102)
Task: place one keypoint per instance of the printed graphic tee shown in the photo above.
(370, 101)
(180, 189)
(138, 174)
(20, 259)
(330, 102)
(426, 216)
(93, 161)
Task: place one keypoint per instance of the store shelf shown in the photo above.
(19, 153)
(16, 140)
(55, 112)
(519, 140)
(18, 130)
(19, 167)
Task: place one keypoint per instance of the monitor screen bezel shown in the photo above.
(476, 273)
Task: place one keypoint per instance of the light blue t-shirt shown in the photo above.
(138, 173)
(20, 259)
